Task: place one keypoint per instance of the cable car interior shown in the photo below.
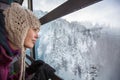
(66, 8)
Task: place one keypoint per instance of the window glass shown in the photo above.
(83, 45)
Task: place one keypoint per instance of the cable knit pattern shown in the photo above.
(17, 23)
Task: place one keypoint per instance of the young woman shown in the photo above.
(18, 31)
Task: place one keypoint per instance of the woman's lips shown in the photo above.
(34, 41)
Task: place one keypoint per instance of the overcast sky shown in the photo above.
(104, 12)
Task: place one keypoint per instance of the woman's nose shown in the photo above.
(36, 36)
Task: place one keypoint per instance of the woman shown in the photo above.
(20, 31)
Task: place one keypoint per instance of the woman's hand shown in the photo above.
(34, 66)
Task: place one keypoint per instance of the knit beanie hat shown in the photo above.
(17, 23)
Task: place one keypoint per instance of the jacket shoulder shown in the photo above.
(4, 58)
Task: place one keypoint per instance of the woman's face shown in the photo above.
(31, 38)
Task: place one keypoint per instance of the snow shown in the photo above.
(80, 51)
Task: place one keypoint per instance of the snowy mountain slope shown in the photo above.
(80, 51)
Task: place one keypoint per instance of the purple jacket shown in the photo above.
(5, 61)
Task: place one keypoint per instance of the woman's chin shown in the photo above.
(29, 46)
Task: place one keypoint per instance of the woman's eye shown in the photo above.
(36, 29)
